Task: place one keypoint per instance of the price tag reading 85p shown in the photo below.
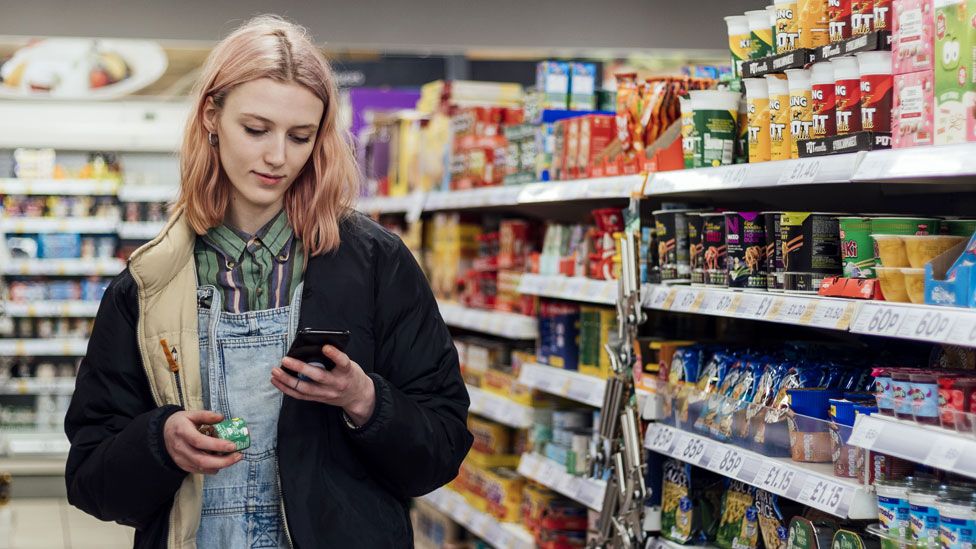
(727, 461)
(690, 449)
(660, 438)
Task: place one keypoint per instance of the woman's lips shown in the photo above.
(268, 179)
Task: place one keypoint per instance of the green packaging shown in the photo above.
(959, 227)
(739, 526)
(690, 503)
(716, 123)
(857, 247)
(954, 91)
(905, 225)
(234, 430)
(761, 34)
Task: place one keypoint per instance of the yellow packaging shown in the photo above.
(813, 22)
(535, 500)
(740, 41)
(505, 384)
(787, 27)
(596, 326)
(503, 494)
(490, 439)
(759, 147)
(608, 325)
(779, 118)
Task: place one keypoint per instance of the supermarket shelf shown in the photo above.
(805, 171)
(587, 491)
(49, 466)
(43, 347)
(661, 543)
(31, 443)
(581, 189)
(929, 445)
(59, 186)
(484, 197)
(80, 225)
(510, 325)
(929, 323)
(35, 386)
(587, 290)
(141, 231)
(565, 383)
(500, 409)
(814, 311)
(498, 534)
(392, 204)
(64, 267)
(932, 164)
(70, 309)
(148, 193)
(810, 484)
(583, 388)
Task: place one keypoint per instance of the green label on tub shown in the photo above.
(717, 129)
(845, 539)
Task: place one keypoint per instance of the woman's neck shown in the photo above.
(251, 220)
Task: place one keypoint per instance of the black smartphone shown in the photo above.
(308, 344)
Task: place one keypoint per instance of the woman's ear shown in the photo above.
(210, 116)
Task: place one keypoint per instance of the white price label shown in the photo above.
(710, 302)
(729, 303)
(794, 311)
(607, 291)
(691, 449)
(832, 314)
(963, 330)
(660, 297)
(802, 171)
(590, 493)
(735, 176)
(823, 494)
(587, 392)
(865, 433)
(728, 462)
(945, 453)
(879, 320)
(775, 477)
(756, 306)
(575, 288)
(926, 325)
(660, 439)
(685, 299)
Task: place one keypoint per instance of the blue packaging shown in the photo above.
(552, 80)
(60, 246)
(582, 86)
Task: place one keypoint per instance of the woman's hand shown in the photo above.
(346, 386)
(192, 450)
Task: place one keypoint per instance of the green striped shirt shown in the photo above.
(252, 272)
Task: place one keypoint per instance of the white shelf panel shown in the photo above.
(802, 310)
(74, 187)
(810, 484)
(933, 324)
(392, 204)
(64, 267)
(25, 443)
(581, 189)
(484, 197)
(804, 171)
(80, 225)
(930, 163)
(500, 409)
(68, 309)
(929, 445)
(48, 466)
(603, 292)
(43, 347)
(498, 534)
(587, 491)
(148, 193)
(565, 383)
(35, 386)
(141, 231)
(509, 325)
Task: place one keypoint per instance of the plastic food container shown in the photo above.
(923, 513)
(922, 249)
(914, 284)
(810, 438)
(890, 250)
(892, 284)
(893, 507)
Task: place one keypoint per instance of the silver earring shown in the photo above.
(212, 139)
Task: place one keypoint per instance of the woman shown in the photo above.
(263, 242)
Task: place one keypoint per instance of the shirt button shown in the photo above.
(260, 291)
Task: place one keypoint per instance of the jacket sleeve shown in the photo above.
(118, 468)
(417, 436)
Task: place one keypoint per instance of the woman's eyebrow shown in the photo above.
(271, 123)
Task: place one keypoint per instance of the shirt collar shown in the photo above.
(232, 243)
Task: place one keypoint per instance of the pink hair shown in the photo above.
(324, 192)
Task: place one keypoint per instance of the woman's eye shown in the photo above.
(253, 131)
(301, 140)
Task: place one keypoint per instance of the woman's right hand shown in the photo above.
(191, 450)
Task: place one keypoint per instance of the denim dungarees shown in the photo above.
(242, 505)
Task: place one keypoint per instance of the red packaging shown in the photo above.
(955, 400)
(596, 131)
(824, 111)
(571, 165)
(876, 100)
(882, 15)
(848, 106)
(513, 245)
(839, 13)
(862, 17)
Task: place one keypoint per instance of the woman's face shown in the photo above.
(266, 131)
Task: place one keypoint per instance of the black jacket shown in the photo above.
(341, 487)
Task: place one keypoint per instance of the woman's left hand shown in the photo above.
(346, 386)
